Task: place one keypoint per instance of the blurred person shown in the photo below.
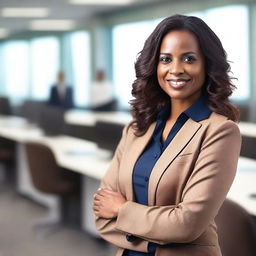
(101, 97)
(61, 94)
(178, 157)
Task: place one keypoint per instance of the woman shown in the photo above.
(176, 161)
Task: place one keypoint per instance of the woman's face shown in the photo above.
(181, 67)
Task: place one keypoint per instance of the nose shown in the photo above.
(176, 67)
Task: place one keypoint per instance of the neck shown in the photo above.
(176, 109)
(179, 106)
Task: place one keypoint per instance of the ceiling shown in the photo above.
(59, 9)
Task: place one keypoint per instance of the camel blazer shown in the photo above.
(187, 186)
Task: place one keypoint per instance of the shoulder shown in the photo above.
(219, 123)
(129, 131)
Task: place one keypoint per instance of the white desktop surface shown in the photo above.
(11, 121)
(247, 129)
(18, 129)
(80, 117)
(79, 155)
(244, 185)
(72, 153)
(118, 117)
(89, 118)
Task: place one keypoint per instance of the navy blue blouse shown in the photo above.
(145, 163)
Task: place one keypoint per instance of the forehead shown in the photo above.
(181, 40)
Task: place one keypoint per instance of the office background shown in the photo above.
(110, 41)
(109, 38)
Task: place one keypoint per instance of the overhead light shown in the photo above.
(54, 25)
(101, 2)
(4, 32)
(24, 12)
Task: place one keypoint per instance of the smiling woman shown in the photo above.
(212, 59)
(171, 172)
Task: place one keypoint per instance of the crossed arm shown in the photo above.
(202, 197)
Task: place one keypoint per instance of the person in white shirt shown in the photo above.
(101, 95)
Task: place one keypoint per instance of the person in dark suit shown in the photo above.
(61, 94)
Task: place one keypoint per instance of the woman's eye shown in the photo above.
(165, 59)
(189, 59)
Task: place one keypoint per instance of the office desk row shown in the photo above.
(71, 153)
(91, 162)
(89, 118)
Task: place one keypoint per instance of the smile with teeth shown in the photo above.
(177, 84)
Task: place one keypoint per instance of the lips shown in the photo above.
(178, 84)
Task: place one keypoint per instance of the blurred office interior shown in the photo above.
(80, 37)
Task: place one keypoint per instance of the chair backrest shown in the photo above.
(248, 147)
(5, 106)
(52, 120)
(107, 135)
(236, 230)
(45, 172)
(32, 110)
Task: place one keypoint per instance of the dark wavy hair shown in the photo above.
(149, 98)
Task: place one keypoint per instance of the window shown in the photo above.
(80, 60)
(124, 56)
(44, 66)
(231, 22)
(15, 75)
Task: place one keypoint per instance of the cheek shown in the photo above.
(161, 72)
(198, 74)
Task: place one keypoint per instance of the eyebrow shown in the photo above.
(185, 53)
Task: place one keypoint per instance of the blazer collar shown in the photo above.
(134, 152)
(181, 139)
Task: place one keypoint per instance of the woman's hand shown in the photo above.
(107, 203)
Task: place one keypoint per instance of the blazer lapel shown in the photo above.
(181, 139)
(135, 150)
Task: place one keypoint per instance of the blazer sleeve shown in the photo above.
(107, 227)
(202, 196)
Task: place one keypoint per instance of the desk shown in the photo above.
(248, 129)
(89, 118)
(19, 130)
(79, 155)
(71, 153)
(87, 159)
(244, 185)
(84, 157)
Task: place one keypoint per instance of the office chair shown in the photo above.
(5, 106)
(236, 230)
(7, 160)
(52, 120)
(47, 177)
(107, 135)
(32, 110)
